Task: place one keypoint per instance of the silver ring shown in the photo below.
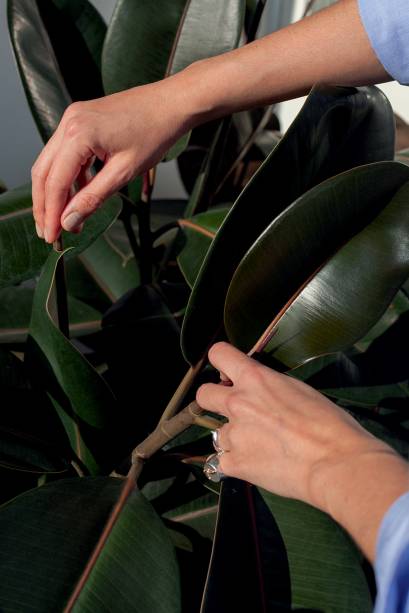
(216, 444)
(211, 468)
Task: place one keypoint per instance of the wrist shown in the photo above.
(202, 91)
(356, 490)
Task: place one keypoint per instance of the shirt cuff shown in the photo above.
(387, 25)
(392, 557)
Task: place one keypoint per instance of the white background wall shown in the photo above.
(19, 140)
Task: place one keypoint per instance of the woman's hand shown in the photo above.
(286, 437)
(129, 132)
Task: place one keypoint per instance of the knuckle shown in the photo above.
(74, 128)
(54, 184)
(36, 171)
(74, 109)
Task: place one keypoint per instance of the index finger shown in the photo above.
(66, 166)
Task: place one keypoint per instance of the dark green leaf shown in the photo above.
(148, 41)
(141, 348)
(83, 400)
(318, 5)
(368, 396)
(198, 231)
(31, 436)
(325, 566)
(313, 366)
(204, 161)
(51, 38)
(338, 128)
(89, 24)
(340, 303)
(403, 156)
(200, 514)
(114, 271)
(48, 536)
(398, 306)
(330, 301)
(16, 306)
(249, 573)
(21, 253)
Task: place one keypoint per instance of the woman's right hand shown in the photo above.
(288, 438)
(129, 132)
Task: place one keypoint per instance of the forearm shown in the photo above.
(330, 46)
(358, 490)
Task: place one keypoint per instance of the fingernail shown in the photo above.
(79, 229)
(46, 236)
(39, 231)
(71, 221)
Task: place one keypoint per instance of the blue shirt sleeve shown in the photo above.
(387, 25)
(392, 559)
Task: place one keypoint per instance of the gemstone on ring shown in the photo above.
(211, 468)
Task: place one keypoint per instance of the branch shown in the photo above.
(143, 212)
(163, 433)
(308, 8)
(182, 390)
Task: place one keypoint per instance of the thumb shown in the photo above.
(90, 197)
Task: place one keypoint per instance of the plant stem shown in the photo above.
(128, 209)
(247, 146)
(143, 212)
(308, 8)
(61, 292)
(182, 390)
(256, 21)
(163, 433)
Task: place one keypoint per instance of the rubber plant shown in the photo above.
(104, 338)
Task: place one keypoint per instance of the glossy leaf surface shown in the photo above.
(147, 41)
(250, 572)
(46, 544)
(141, 348)
(84, 402)
(31, 441)
(198, 232)
(325, 566)
(16, 305)
(112, 269)
(51, 38)
(300, 241)
(21, 253)
(318, 5)
(336, 305)
(338, 128)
